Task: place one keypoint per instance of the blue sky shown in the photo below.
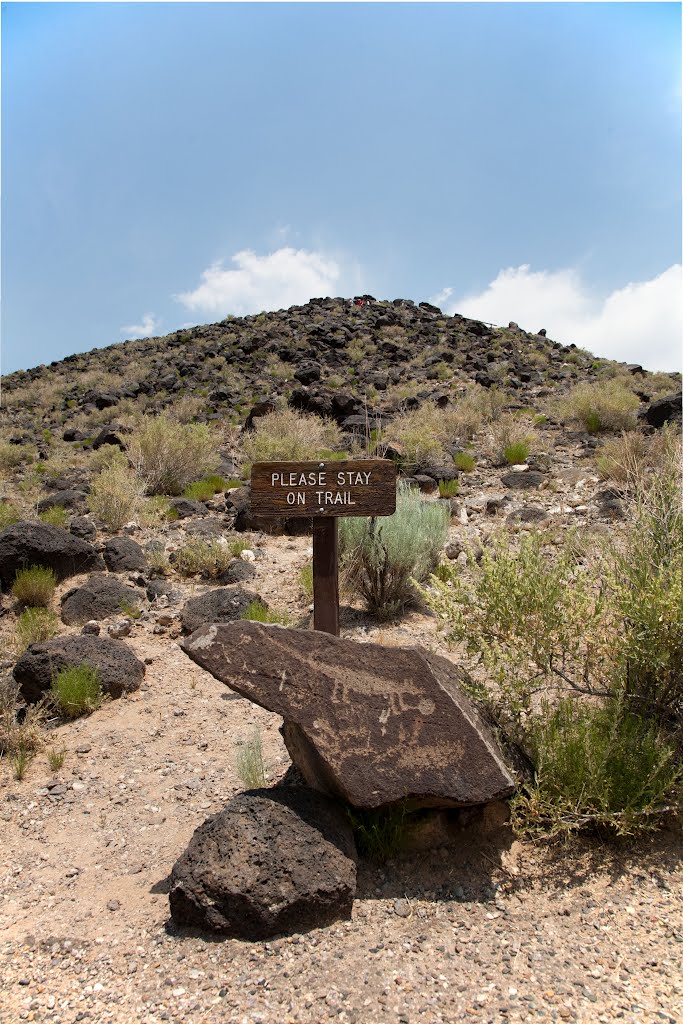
(167, 164)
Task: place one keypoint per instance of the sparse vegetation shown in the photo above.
(168, 455)
(380, 556)
(464, 461)
(448, 488)
(207, 558)
(9, 515)
(56, 758)
(21, 725)
(55, 516)
(116, 496)
(77, 691)
(379, 834)
(204, 490)
(34, 586)
(287, 434)
(510, 439)
(249, 762)
(34, 626)
(257, 611)
(608, 405)
(306, 580)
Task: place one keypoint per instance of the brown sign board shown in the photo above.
(326, 488)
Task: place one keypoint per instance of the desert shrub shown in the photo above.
(288, 434)
(188, 408)
(604, 627)
(256, 611)
(158, 561)
(448, 488)
(21, 725)
(419, 436)
(477, 407)
(168, 455)
(632, 456)
(464, 462)
(608, 405)
(34, 586)
(116, 496)
(596, 765)
(249, 762)
(55, 516)
(207, 558)
(380, 556)
(35, 625)
(9, 514)
(107, 456)
(13, 455)
(204, 490)
(306, 579)
(77, 691)
(510, 439)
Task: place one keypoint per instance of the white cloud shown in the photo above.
(147, 329)
(286, 277)
(641, 322)
(441, 297)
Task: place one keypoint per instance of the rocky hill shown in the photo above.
(505, 433)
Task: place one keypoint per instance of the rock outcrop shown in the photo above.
(368, 724)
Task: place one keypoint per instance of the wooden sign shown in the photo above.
(323, 491)
(354, 487)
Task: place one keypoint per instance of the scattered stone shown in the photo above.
(35, 543)
(238, 571)
(274, 861)
(119, 670)
(530, 480)
(119, 630)
(121, 554)
(225, 604)
(97, 599)
(371, 725)
(91, 628)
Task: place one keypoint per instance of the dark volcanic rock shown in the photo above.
(274, 861)
(30, 543)
(119, 670)
(663, 410)
(528, 514)
(187, 507)
(225, 604)
(97, 599)
(83, 527)
(527, 481)
(65, 499)
(122, 554)
(369, 724)
(238, 571)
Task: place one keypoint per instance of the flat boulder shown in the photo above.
(368, 724)
(273, 861)
(224, 604)
(119, 670)
(97, 599)
(35, 543)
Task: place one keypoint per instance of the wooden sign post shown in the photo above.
(323, 491)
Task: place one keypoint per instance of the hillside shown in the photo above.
(513, 439)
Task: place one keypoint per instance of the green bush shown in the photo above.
(34, 586)
(55, 516)
(257, 611)
(516, 453)
(596, 765)
(9, 515)
(290, 435)
(381, 556)
(168, 455)
(464, 462)
(603, 630)
(204, 490)
(77, 691)
(35, 625)
(448, 488)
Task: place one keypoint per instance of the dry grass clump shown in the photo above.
(14, 455)
(9, 515)
(288, 434)
(608, 405)
(116, 496)
(35, 625)
(632, 455)
(510, 439)
(19, 734)
(188, 408)
(77, 691)
(207, 558)
(168, 455)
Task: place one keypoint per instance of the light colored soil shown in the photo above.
(491, 930)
